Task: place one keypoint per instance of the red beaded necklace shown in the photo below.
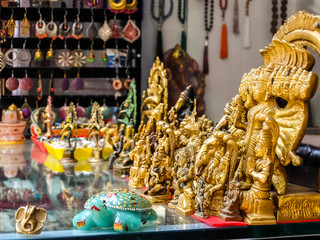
(224, 31)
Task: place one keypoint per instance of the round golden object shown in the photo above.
(117, 5)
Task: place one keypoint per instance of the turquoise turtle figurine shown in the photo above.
(123, 209)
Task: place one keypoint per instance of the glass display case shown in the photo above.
(31, 176)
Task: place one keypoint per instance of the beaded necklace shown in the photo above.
(160, 18)
(275, 15)
(208, 27)
(224, 31)
(182, 19)
(236, 30)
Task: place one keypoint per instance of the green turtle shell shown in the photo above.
(122, 199)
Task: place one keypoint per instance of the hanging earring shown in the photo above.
(38, 56)
(115, 28)
(117, 6)
(92, 3)
(39, 90)
(24, 56)
(78, 82)
(104, 33)
(2, 60)
(11, 55)
(25, 24)
(50, 54)
(79, 58)
(40, 27)
(131, 32)
(52, 28)
(64, 28)
(131, 7)
(51, 88)
(12, 83)
(77, 27)
(26, 82)
(26, 109)
(65, 84)
(92, 34)
(10, 27)
(117, 84)
(91, 57)
(64, 59)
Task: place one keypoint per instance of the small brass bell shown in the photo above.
(38, 55)
(91, 57)
(50, 54)
(104, 57)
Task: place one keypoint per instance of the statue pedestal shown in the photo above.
(298, 204)
(137, 177)
(159, 198)
(120, 171)
(11, 133)
(185, 212)
(262, 213)
(96, 156)
(68, 157)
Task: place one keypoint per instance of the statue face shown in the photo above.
(259, 149)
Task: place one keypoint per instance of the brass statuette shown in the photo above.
(30, 219)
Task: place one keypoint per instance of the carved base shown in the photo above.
(185, 212)
(227, 217)
(262, 213)
(173, 203)
(201, 215)
(298, 204)
(67, 160)
(120, 170)
(95, 160)
(159, 198)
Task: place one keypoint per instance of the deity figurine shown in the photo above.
(68, 127)
(124, 162)
(215, 163)
(95, 125)
(199, 199)
(128, 109)
(141, 156)
(158, 180)
(256, 202)
(117, 149)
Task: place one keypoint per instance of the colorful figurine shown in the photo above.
(123, 209)
(30, 219)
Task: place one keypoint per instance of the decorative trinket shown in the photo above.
(10, 27)
(117, 84)
(78, 82)
(26, 109)
(208, 25)
(92, 3)
(117, 6)
(224, 31)
(79, 58)
(116, 29)
(11, 55)
(96, 124)
(12, 83)
(2, 60)
(41, 27)
(131, 32)
(236, 30)
(68, 127)
(92, 31)
(64, 28)
(38, 54)
(105, 31)
(39, 89)
(91, 57)
(65, 59)
(25, 24)
(24, 56)
(30, 219)
(182, 19)
(65, 83)
(50, 54)
(26, 83)
(123, 209)
(77, 27)
(131, 7)
(160, 19)
(52, 28)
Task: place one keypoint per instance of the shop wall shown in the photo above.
(225, 74)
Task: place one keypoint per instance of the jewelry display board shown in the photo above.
(94, 72)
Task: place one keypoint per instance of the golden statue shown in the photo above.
(68, 127)
(30, 219)
(216, 164)
(95, 125)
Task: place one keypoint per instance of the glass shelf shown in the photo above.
(28, 175)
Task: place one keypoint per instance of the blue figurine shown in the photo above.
(123, 209)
